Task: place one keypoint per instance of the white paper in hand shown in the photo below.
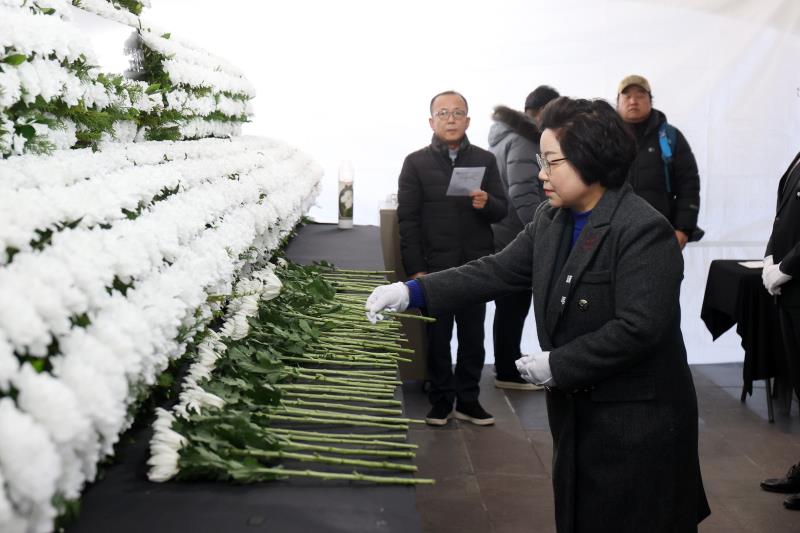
(465, 180)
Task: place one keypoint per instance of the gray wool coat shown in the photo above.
(623, 413)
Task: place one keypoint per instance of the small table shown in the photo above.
(735, 295)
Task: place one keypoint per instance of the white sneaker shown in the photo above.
(515, 385)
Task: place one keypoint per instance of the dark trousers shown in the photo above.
(790, 329)
(463, 385)
(509, 319)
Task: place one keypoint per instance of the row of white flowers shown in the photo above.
(44, 35)
(188, 53)
(69, 418)
(189, 67)
(107, 10)
(103, 195)
(166, 443)
(54, 49)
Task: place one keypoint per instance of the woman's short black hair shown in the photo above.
(593, 138)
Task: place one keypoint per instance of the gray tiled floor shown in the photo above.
(497, 479)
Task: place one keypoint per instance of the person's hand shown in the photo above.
(767, 263)
(392, 297)
(682, 238)
(535, 368)
(417, 274)
(479, 199)
(773, 279)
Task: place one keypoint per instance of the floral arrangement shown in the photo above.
(114, 261)
(203, 95)
(52, 97)
(305, 358)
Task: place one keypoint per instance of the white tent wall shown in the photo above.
(352, 80)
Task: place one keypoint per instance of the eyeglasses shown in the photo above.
(544, 164)
(444, 114)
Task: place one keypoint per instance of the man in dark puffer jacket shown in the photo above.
(514, 141)
(437, 232)
(681, 204)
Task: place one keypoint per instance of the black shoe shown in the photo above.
(792, 502)
(788, 484)
(439, 414)
(473, 412)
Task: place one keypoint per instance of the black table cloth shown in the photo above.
(735, 295)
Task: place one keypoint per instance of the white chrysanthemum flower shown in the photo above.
(196, 399)
(31, 484)
(52, 404)
(9, 520)
(164, 448)
(9, 365)
(272, 284)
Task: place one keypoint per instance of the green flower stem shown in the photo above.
(364, 385)
(345, 416)
(376, 443)
(319, 361)
(344, 343)
(377, 278)
(338, 348)
(350, 271)
(412, 316)
(353, 436)
(305, 387)
(325, 459)
(343, 407)
(355, 476)
(338, 397)
(379, 378)
(298, 446)
(336, 421)
(364, 335)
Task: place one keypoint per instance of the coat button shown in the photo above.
(798, 194)
(583, 304)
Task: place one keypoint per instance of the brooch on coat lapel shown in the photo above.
(589, 242)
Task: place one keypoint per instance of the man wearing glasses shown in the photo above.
(444, 225)
(665, 171)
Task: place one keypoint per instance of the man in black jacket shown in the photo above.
(440, 230)
(669, 182)
(781, 276)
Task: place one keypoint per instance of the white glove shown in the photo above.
(392, 297)
(767, 263)
(536, 368)
(773, 278)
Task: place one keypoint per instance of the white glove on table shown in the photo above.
(773, 278)
(536, 369)
(392, 297)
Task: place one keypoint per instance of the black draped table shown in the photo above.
(735, 295)
(125, 502)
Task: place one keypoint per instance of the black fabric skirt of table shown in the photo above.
(735, 295)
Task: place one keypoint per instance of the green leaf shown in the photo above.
(166, 35)
(48, 10)
(14, 59)
(153, 88)
(27, 131)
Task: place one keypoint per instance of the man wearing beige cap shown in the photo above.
(665, 171)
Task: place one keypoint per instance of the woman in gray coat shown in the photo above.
(605, 270)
